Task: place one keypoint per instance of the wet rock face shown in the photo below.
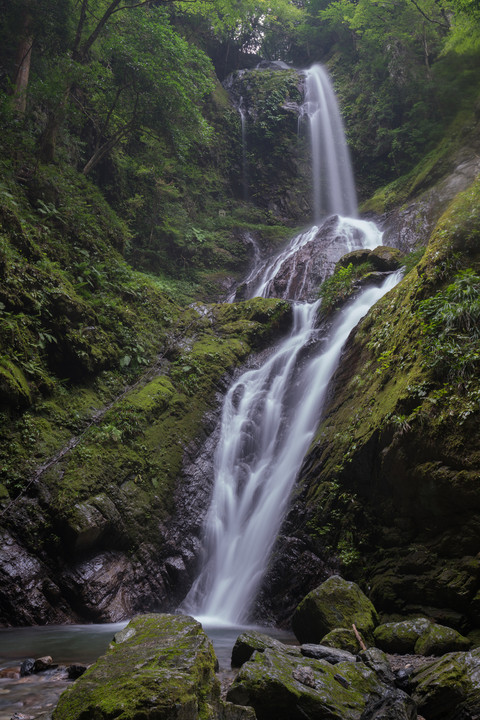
(23, 576)
(411, 225)
(302, 267)
(273, 164)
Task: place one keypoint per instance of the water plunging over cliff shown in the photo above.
(333, 184)
(269, 418)
(270, 413)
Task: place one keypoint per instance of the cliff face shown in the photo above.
(389, 490)
(276, 172)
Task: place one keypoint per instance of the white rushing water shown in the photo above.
(269, 418)
(350, 234)
(333, 184)
(270, 413)
(243, 124)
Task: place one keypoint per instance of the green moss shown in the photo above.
(132, 452)
(336, 603)
(14, 387)
(155, 395)
(160, 665)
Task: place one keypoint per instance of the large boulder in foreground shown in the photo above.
(160, 667)
(449, 688)
(336, 603)
(279, 685)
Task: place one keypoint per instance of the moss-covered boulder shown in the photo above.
(449, 687)
(342, 639)
(159, 666)
(439, 640)
(279, 686)
(382, 258)
(385, 259)
(400, 637)
(420, 636)
(252, 641)
(336, 603)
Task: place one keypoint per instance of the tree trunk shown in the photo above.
(22, 65)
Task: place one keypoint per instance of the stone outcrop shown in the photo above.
(281, 686)
(382, 258)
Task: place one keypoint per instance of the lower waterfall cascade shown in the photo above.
(269, 418)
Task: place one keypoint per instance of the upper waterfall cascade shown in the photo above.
(333, 183)
(270, 413)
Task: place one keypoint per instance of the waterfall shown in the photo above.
(271, 413)
(348, 234)
(333, 184)
(243, 124)
(269, 419)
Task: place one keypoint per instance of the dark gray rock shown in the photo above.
(377, 661)
(43, 663)
(27, 667)
(330, 655)
(249, 642)
(75, 671)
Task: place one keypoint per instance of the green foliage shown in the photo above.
(342, 284)
(401, 70)
(412, 259)
(451, 326)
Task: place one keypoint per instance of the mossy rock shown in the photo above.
(14, 389)
(356, 257)
(401, 637)
(382, 258)
(449, 687)
(439, 640)
(159, 666)
(249, 642)
(342, 639)
(336, 603)
(385, 259)
(280, 687)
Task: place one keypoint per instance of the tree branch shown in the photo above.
(445, 26)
